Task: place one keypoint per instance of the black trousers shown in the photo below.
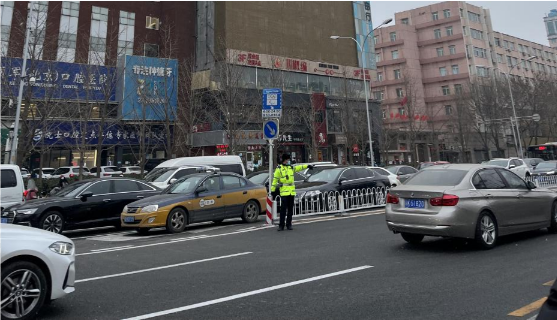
(286, 203)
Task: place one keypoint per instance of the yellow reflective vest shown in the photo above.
(284, 179)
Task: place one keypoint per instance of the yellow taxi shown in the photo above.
(197, 198)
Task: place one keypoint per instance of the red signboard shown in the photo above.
(318, 106)
(296, 65)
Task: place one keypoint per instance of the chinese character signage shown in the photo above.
(148, 89)
(59, 80)
(364, 27)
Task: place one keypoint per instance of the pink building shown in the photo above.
(424, 60)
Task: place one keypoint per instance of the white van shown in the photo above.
(172, 169)
(12, 185)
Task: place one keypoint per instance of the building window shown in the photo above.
(464, 31)
(439, 52)
(509, 61)
(375, 39)
(401, 111)
(480, 52)
(37, 22)
(126, 33)
(394, 54)
(511, 46)
(435, 16)
(449, 31)
(455, 69)
(468, 51)
(520, 48)
(151, 50)
(404, 21)
(379, 95)
(397, 74)
(399, 93)
(443, 71)
(7, 9)
(474, 17)
(378, 57)
(379, 76)
(458, 89)
(97, 40)
(515, 61)
(476, 34)
(500, 58)
(498, 42)
(67, 38)
(448, 110)
(152, 23)
(384, 114)
(392, 36)
(462, 12)
(437, 33)
(447, 13)
(446, 90)
(452, 49)
(505, 44)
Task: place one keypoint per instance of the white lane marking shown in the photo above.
(97, 251)
(102, 235)
(533, 318)
(246, 294)
(162, 267)
(104, 249)
(208, 229)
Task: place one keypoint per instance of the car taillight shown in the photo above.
(106, 174)
(447, 200)
(72, 175)
(392, 199)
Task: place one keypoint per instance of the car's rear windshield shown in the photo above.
(432, 177)
(547, 165)
(48, 171)
(499, 163)
(382, 172)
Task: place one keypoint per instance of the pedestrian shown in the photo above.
(31, 192)
(283, 179)
(63, 182)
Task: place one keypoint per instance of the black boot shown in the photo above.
(289, 228)
(280, 229)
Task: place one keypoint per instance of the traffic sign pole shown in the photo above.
(271, 109)
(269, 219)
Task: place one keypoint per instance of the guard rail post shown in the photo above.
(341, 208)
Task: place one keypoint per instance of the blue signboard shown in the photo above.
(272, 103)
(148, 88)
(59, 80)
(76, 133)
(270, 129)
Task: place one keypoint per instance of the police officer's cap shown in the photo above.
(285, 156)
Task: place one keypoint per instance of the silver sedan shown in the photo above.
(469, 201)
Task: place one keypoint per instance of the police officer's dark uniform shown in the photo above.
(283, 178)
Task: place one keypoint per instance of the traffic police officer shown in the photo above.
(283, 178)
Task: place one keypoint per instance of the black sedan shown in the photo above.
(346, 180)
(546, 168)
(82, 204)
(403, 172)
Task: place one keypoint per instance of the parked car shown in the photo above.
(471, 201)
(339, 179)
(42, 261)
(165, 176)
(532, 163)
(68, 172)
(107, 171)
(514, 164)
(132, 170)
(47, 172)
(424, 165)
(82, 204)
(25, 173)
(12, 186)
(402, 172)
(262, 178)
(546, 168)
(200, 197)
(224, 163)
(393, 178)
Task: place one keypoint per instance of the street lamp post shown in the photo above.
(361, 47)
(521, 154)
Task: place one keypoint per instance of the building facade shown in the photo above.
(427, 59)
(551, 27)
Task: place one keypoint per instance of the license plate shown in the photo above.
(414, 203)
(129, 219)
(4, 220)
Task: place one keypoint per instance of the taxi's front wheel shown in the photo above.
(251, 212)
(176, 221)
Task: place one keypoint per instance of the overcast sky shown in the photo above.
(523, 19)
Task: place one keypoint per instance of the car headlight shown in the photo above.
(551, 172)
(26, 211)
(125, 210)
(63, 248)
(314, 193)
(150, 208)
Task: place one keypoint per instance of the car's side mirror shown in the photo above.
(341, 180)
(172, 181)
(531, 185)
(85, 195)
(201, 189)
(512, 166)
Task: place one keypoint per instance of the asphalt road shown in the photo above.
(326, 268)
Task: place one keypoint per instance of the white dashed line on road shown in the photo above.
(162, 267)
(246, 294)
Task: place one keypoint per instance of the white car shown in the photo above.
(68, 172)
(12, 186)
(132, 170)
(37, 266)
(47, 172)
(393, 178)
(514, 164)
(107, 171)
(25, 173)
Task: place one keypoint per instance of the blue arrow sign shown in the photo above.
(270, 129)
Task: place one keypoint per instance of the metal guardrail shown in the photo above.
(315, 202)
(543, 181)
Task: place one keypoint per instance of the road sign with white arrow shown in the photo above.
(271, 129)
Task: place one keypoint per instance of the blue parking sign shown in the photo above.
(272, 103)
